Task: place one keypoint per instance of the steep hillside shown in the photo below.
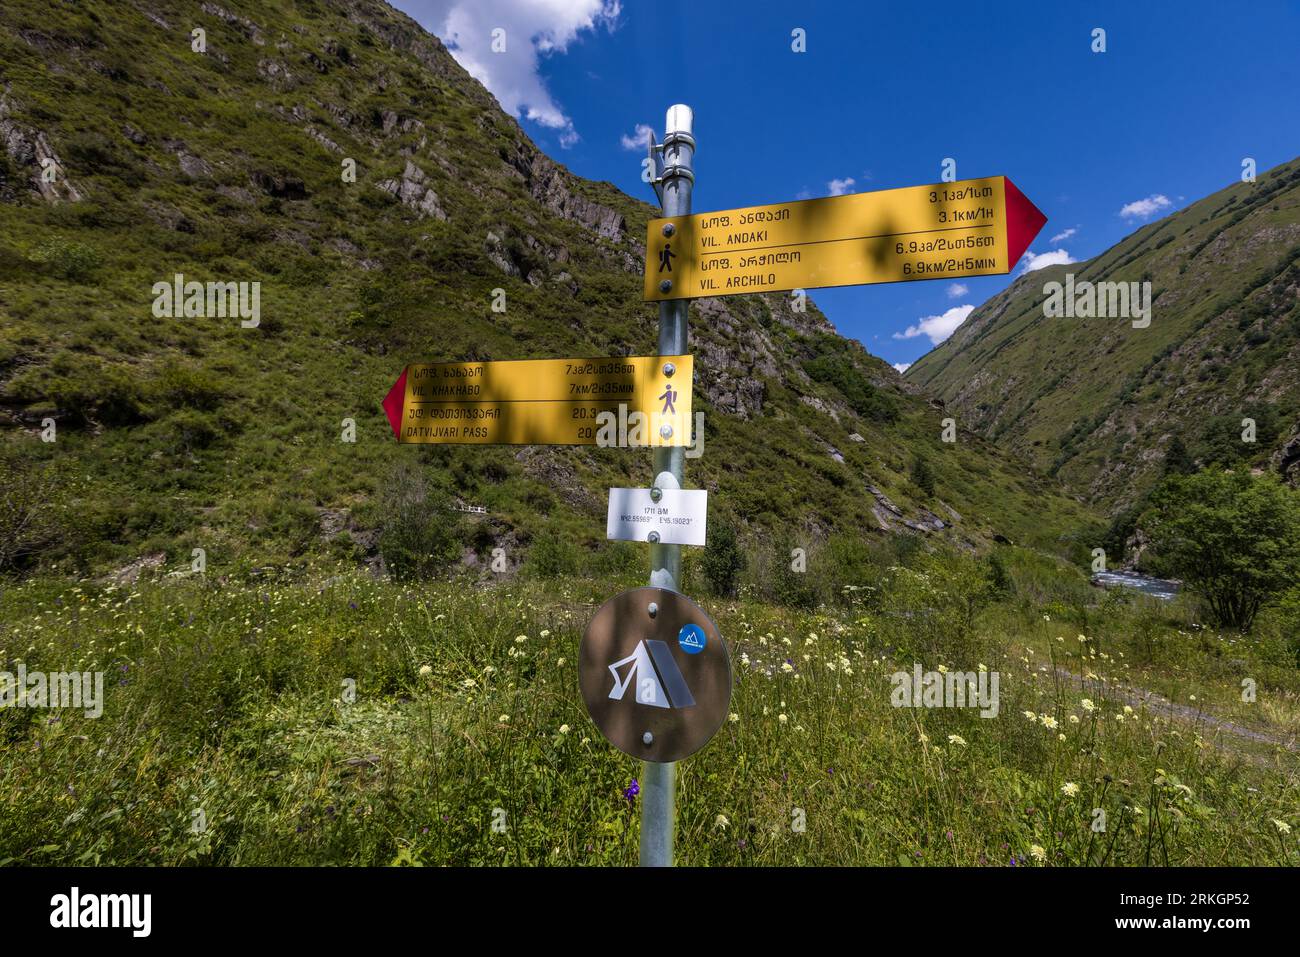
(1098, 402)
(230, 165)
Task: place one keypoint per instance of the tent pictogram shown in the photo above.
(654, 674)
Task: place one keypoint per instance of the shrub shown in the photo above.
(723, 562)
(1000, 583)
(1289, 617)
(1178, 461)
(932, 607)
(1221, 443)
(923, 477)
(183, 385)
(420, 536)
(1233, 538)
(849, 564)
(552, 553)
(192, 430)
(29, 509)
(66, 258)
(92, 390)
(863, 397)
(784, 585)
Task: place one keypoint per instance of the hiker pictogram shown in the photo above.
(669, 397)
(666, 255)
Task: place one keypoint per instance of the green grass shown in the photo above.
(231, 699)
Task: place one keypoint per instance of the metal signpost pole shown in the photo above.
(659, 781)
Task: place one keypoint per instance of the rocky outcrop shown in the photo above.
(499, 255)
(389, 120)
(883, 501)
(323, 140)
(30, 152)
(194, 167)
(822, 406)
(738, 395)
(276, 73)
(1287, 460)
(243, 24)
(280, 185)
(412, 192)
(548, 184)
(553, 186)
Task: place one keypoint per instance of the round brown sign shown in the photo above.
(655, 674)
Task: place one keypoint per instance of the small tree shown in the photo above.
(1000, 583)
(30, 509)
(723, 561)
(1233, 538)
(1178, 461)
(923, 477)
(420, 535)
(795, 586)
(552, 554)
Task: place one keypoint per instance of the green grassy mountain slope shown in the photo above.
(228, 165)
(1097, 402)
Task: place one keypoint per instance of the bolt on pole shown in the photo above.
(659, 781)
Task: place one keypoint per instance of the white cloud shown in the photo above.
(1034, 261)
(1145, 208)
(1063, 235)
(638, 140)
(937, 328)
(902, 367)
(957, 290)
(532, 30)
(838, 187)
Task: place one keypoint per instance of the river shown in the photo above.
(1155, 587)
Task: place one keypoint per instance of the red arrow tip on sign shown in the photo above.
(1024, 220)
(393, 404)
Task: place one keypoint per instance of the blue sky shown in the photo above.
(1101, 142)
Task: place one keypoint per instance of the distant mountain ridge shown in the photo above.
(1098, 401)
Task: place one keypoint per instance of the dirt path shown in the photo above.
(1158, 704)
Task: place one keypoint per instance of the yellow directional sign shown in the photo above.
(973, 227)
(616, 401)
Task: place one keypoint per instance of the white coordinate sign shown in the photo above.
(678, 517)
